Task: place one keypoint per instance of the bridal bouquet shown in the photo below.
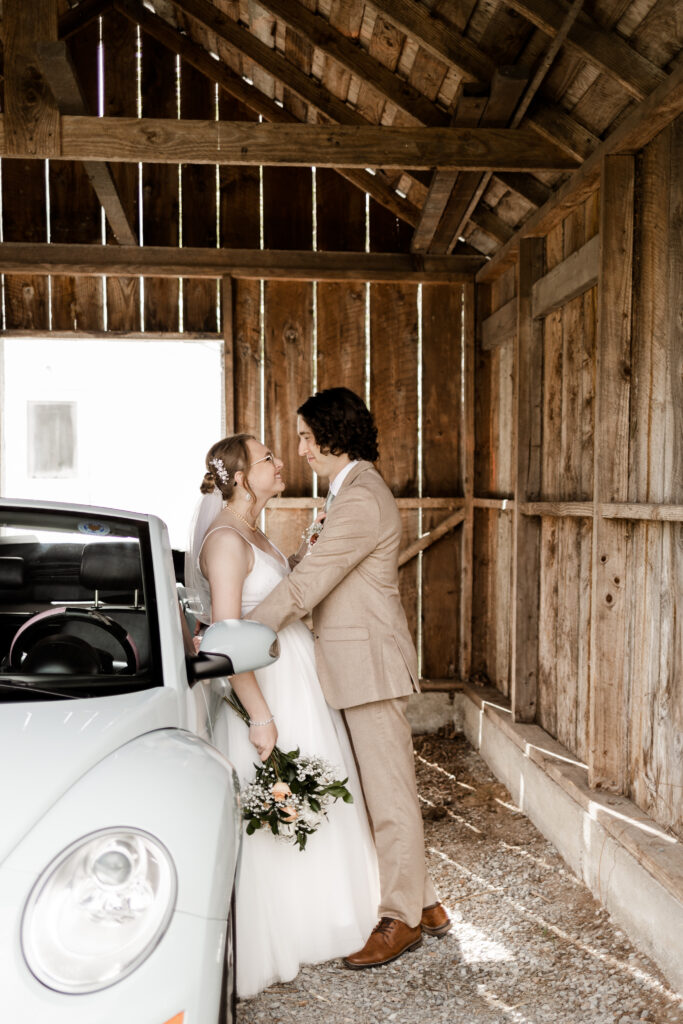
(290, 793)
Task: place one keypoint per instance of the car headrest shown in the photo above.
(11, 571)
(111, 567)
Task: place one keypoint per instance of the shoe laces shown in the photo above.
(384, 925)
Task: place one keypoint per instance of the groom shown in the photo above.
(365, 656)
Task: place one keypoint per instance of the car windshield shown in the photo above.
(77, 609)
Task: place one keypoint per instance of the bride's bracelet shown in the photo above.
(271, 719)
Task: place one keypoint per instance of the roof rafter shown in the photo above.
(374, 184)
(607, 50)
(358, 61)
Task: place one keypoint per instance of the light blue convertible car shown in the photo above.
(120, 814)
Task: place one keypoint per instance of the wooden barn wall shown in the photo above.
(654, 553)
(567, 476)
(494, 478)
(399, 345)
(608, 647)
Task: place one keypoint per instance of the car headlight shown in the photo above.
(98, 910)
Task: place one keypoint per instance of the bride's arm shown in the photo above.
(226, 561)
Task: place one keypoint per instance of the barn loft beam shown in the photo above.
(166, 140)
(359, 62)
(258, 264)
(649, 118)
(194, 54)
(60, 75)
(606, 50)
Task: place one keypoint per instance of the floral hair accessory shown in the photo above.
(222, 472)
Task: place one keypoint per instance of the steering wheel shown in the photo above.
(55, 619)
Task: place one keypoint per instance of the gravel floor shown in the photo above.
(529, 944)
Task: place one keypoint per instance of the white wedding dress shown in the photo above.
(299, 907)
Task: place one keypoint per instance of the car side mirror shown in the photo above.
(243, 644)
(207, 666)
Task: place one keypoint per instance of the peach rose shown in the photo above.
(280, 790)
(291, 813)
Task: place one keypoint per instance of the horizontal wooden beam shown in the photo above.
(404, 503)
(166, 140)
(572, 277)
(255, 264)
(649, 118)
(634, 511)
(500, 328)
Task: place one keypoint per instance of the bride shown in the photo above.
(292, 907)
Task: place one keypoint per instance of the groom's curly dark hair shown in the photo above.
(341, 422)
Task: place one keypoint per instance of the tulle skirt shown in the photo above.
(297, 907)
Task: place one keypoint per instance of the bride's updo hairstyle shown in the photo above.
(223, 460)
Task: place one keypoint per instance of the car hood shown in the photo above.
(46, 747)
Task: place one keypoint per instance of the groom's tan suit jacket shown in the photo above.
(349, 584)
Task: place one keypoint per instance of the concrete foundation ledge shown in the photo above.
(631, 865)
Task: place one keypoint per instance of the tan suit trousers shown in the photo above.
(381, 737)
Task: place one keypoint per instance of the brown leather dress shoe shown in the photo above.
(435, 920)
(389, 939)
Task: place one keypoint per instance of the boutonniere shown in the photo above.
(312, 532)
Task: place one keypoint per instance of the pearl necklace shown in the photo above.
(238, 515)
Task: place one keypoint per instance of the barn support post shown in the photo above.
(227, 307)
(528, 406)
(31, 119)
(467, 473)
(610, 600)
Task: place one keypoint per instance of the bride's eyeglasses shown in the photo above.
(266, 458)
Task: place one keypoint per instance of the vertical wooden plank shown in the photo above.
(442, 474)
(200, 297)
(393, 388)
(481, 608)
(526, 542)
(240, 229)
(656, 717)
(24, 219)
(31, 118)
(467, 463)
(340, 209)
(610, 604)
(288, 224)
(159, 186)
(227, 310)
(75, 211)
(119, 36)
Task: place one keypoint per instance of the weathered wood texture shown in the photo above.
(75, 211)
(31, 118)
(567, 474)
(240, 226)
(393, 321)
(493, 478)
(612, 574)
(120, 99)
(160, 191)
(442, 469)
(655, 474)
(288, 336)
